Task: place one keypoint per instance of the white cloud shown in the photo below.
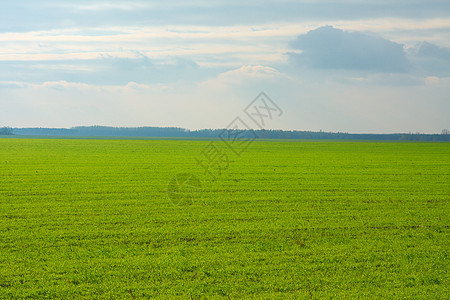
(249, 73)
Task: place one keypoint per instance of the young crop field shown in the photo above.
(94, 219)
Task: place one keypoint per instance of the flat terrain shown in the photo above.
(286, 220)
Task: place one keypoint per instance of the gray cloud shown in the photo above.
(429, 50)
(430, 60)
(331, 48)
(105, 70)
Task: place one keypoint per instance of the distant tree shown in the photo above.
(6, 131)
(444, 132)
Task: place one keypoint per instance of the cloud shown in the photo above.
(101, 6)
(125, 64)
(331, 48)
(430, 60)
(247, 79)
(430, 50)
(250, 72)
(62, 85)
(12, 84)
(44, 14)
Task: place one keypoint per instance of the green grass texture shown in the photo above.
(105, 219)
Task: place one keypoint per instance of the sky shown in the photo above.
(358, 66)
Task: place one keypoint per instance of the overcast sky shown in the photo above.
(349, 66)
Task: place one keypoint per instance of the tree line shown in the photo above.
(217, 133)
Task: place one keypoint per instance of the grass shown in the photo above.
(91, 219)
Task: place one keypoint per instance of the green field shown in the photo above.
(91, 219)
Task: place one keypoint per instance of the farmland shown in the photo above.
(92, 219)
